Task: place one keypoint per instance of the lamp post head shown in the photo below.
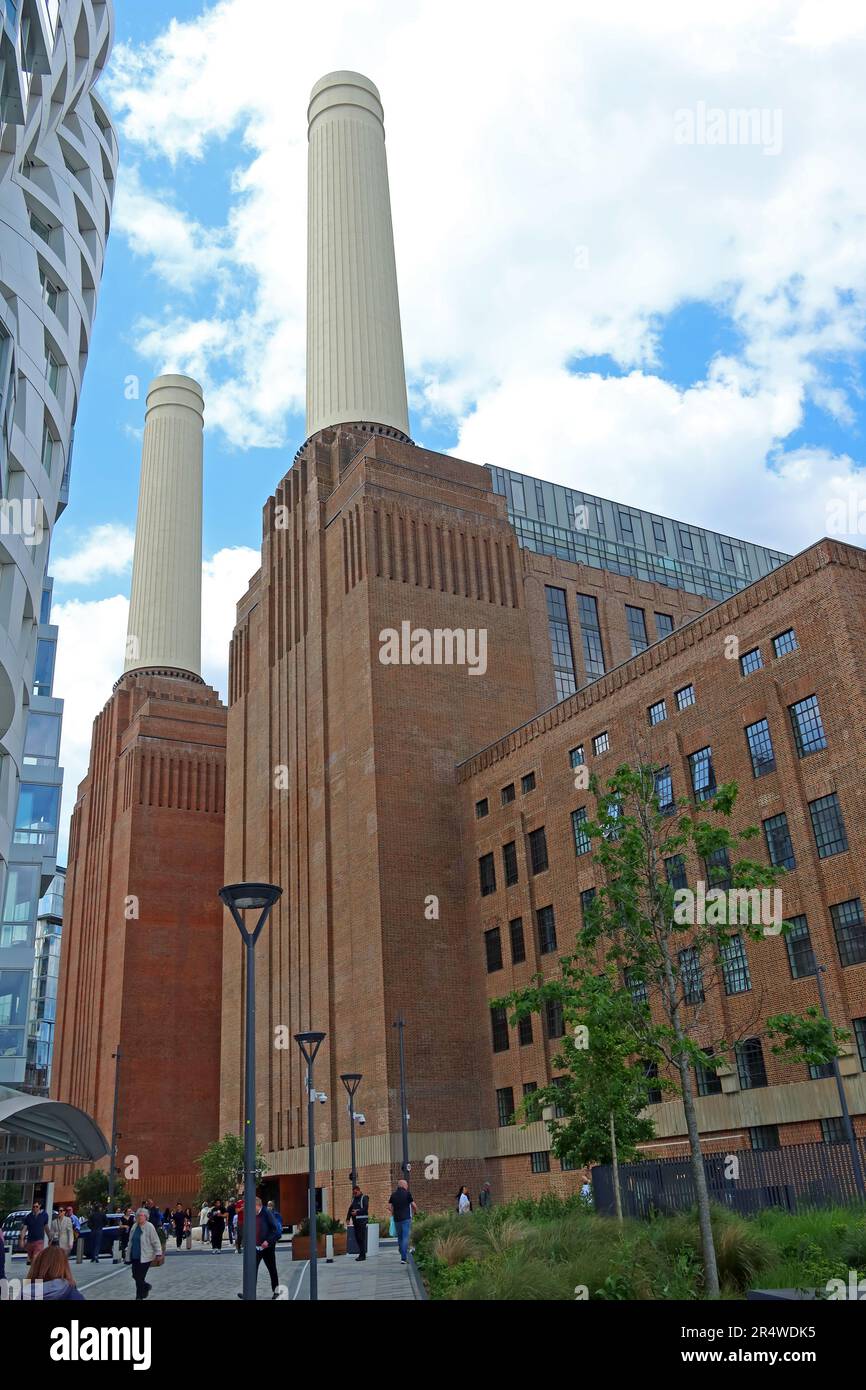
(351, 1080)
(245, 897)
(309, 1043)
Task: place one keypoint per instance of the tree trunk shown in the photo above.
(617, 1194)
(711, 1269)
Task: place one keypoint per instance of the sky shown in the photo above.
(631, 249)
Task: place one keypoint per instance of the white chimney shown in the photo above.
(355, 370)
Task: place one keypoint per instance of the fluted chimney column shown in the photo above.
(165, 610)
(355, 370)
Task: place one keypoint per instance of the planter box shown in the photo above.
(301, 1246)
(372, 1239)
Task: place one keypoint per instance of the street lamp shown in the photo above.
(820, 971)
(309, 1043)
(238, 898)
(112, 1170)
(352, 1080)
(404, 1114)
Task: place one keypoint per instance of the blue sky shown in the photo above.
(586, 294)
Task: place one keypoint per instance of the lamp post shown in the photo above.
(112, 1169)
(238, 898)
(352, 1080)
(404, 1114)
(820, 971)
(309, 1043)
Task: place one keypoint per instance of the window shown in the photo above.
(42, 230)
(527, 782)
(52, 370)
(509, 863)
(654, 1094)
(801, 957)
(559, 1110)
(685, 697)
(664, 791)
(49, 444)
(751, 661)
(808, 728)
(691, 975)
(560, 643)
(553, 1018)
(785, 642)
(505, 1106)
(735, 966)
(576, 757)
(675, 869)
(709, 1083)
(582, 842)
(481, 809)
(820, 1071)
(487, 875)
(664, 624)
(50, 291)
(43, 674)
(19, 904)
(760, 748)
(593, 651)
(833, 1131)
(14, 1003)
(860, 1037)
(567, 1165)
(508, 794)
(43, 740)
(524, 1031)
(718, 868)
(546, 930)
(779, 846)
(703, 774)
(601, 744)
(636, 986)
(518, 945)
(529, 1088)
(763, 1137)
(36, 821)
(850, 931)
(657, 712)
(750, 1064)
(499, 1029)
(538, 850)
(587, 898)
(659, 536)
(636, 623)
(493, 950)
(828, 826)
(540, 1162)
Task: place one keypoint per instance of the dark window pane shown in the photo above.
(493, 949)
(582, 842)
(750, 1064)
(527, 782)
(481, 808)
(524, 1031)
(761, 748)
(546, 930)
(508, 794)
(499, 1029)
(509, 863)
(801, 957)
(560, 643)
(735, 966)
(538, 850)
(703, 774)
(487, 875)
(850, 931)
(636, 623)
(518, 945)
(779, 846)
(664, 624)
(808, 726)
(764, 1136)
(828, 826)
(505, 1105)
(593, 652)
(691, 975)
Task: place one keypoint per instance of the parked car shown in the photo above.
(110, 1232)
(12, 1229)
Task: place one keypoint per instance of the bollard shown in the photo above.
(115, 1252)
(329, 1250)
(79, 1250)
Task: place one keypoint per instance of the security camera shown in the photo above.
(322, 1097)
(362, 1120)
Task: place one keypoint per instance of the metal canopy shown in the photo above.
(63, 1128)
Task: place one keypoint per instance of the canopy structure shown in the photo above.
(66, 1132)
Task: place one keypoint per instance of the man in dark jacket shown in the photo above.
(266, 1245)
(358, 1216)
(96, 1223)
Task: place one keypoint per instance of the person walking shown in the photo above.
(231, 1217)
(126, 1226)
(358, 1217)
(96, 1222)
(154, 1215)
(266, 1246)
(178, 1221)
(401, 1205)
(143, 1248)
(485, 1197)
(34, 1231)
(217, 1226)
(203, 1217)
(464, 1202)
(63, 1231)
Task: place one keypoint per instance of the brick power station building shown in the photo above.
(421, 815)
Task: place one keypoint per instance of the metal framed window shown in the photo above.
(703, 774)
(764, 1137)
(657, 713)
(582, 842)
(708, 1081)
(860, 1037)
(587, 898)
(538, 859)
(828, 826)
(560, 643)
(601, 744)
(527, 782)
(654, 1094)
(675, 869)
(850, 931)
(590, 632)
(820, 1071)
(785, 642)
(779, 846)
(504, 1106)
(524, 1031)
(663, 787)
(685, 697)
(750, 1064)
(493, 949)
(482, 808)
(546, 930)
(576, 757)
(518, 944)
(636, 623)
(808, 727)
(691, 975)
(760, 748)
(499, 1029)
(487, 875)
(636, 986)
(718, 868)
(509, 863)
(801, 957)
(833, 1131)
(540, 1162)
(508, 794)
(735, 966)
(553, 1018)
(751, 661)
(664, 624)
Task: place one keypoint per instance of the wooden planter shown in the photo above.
(301, 1246)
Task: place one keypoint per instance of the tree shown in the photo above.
(92, 1190)
(10, 1198)
(222, 1168)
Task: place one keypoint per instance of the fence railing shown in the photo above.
(747, 1180)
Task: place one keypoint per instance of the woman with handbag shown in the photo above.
(143, 1250)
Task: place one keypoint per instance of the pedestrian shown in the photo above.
(33, 1231)
(51, 1279)
(96, 1222)
(154, 1215)
(231, 1218)
(2, 1256)
(126, 1226)
(485, 1197)
(216, 1226)
(144, 1247)
(358, 1216)
(63, 1231)
(203, 1220)
(166, 1221)
(401, 1205)
(272, 1208)
(237, 1231)
(266, 1246)
(178, 1221)
(464, 1202)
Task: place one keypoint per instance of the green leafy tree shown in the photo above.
(810, 1038)
(10, 1198)
(222, 1168)
(92, 1190)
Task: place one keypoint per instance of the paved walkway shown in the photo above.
(199, 1274)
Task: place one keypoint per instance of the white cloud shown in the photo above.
(104, 550)
(512, 145)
